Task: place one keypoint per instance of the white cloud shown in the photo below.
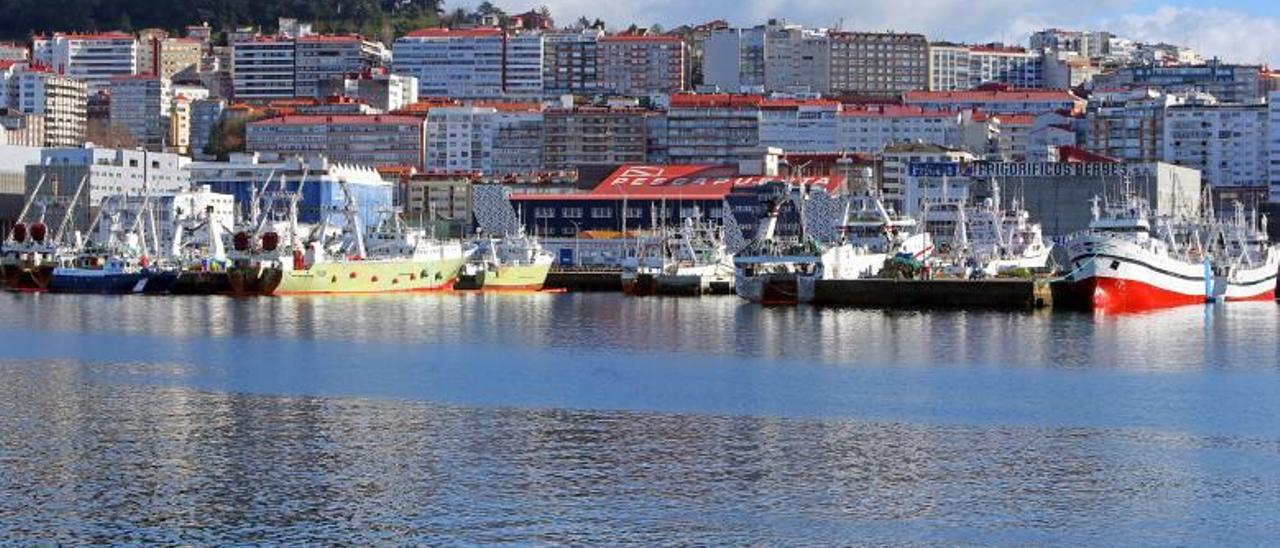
(1231, 34)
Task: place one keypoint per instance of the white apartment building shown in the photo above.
(60, 100)
(263, 68)
(1128, 124)
(872, 128)
(140, 105)
(460, 139)
(471, 63)
(94, 58)
(954, 67)
(1226, 142)
(318, 58)
(799, 125)
(640, 66)
(380, 90)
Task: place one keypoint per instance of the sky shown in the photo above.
(1245, 31)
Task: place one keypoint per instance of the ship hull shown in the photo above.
(639, 285)
(517, 278)
(769, 288)
(202, 283)
(253, 280)
(372, 276)
(77, 281)
(24, 278)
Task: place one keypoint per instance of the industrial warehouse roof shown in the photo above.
(678, 182)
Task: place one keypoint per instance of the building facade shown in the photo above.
(141, 106)
(1227, 143)
(319, 58)
(638, 66)
(381, 90)
(957, 67)
(263, 68)
(713, 128)
(93, 58)
(878, 64)
(372, 141)
(571, 61)
(471, 63)
(574, 138)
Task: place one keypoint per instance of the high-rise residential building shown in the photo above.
(1128, 124)
(206, 114)
(1227, 82)
(472, 63)
(733, 59)
(1001, 100)
(954, 67)
(775, 57)
(713, 128)
(570, 62)
(94, 58)
(149, 50)
(181, 116)
(460, 139)
(175, 56)
(319, 58)
(884, 64)
(370, 140)
(517, 139)
(263, 68)
(1226, 142)
(579, 137)
(636, 66)
(141, 106)
(379, 89)
(808, 125)
(60, 100)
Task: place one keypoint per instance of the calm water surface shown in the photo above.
(551, 419)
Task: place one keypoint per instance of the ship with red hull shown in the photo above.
(1123, 263)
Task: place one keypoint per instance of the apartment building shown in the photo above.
(1229, 83)
(955, 67)
(796, 125)
(460, 140)
(94, 58)
(775, 57)
(1226, 142)
(638, 66)
(320, 58)
(871, 128)
(713, 128)
(1128, 124)
(141, 106)
(263, 68)
(471, 63)
(61, 100)
(379, 89)
(570, 62)
(375, 141)
(574, 138)
(884, 64)
(206, 114)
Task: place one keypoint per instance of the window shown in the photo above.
(601, 212)
(544, 212)
(571, 212)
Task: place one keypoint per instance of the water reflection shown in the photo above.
(84, 461)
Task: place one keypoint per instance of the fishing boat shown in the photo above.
(1126, 261)
(30, 251)
(390, 258)
(116, 260)
(697, 260)
(515, 262)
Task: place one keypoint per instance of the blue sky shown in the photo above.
(1236, 30)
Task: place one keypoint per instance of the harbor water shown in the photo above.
(594, 418)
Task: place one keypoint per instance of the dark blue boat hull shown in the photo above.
(114, 284)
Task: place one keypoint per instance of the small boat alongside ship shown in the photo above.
(514, 262)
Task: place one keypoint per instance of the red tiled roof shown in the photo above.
(989, 96)
(347, 119)
(641, 38)
(690, 100)
(440, 32)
